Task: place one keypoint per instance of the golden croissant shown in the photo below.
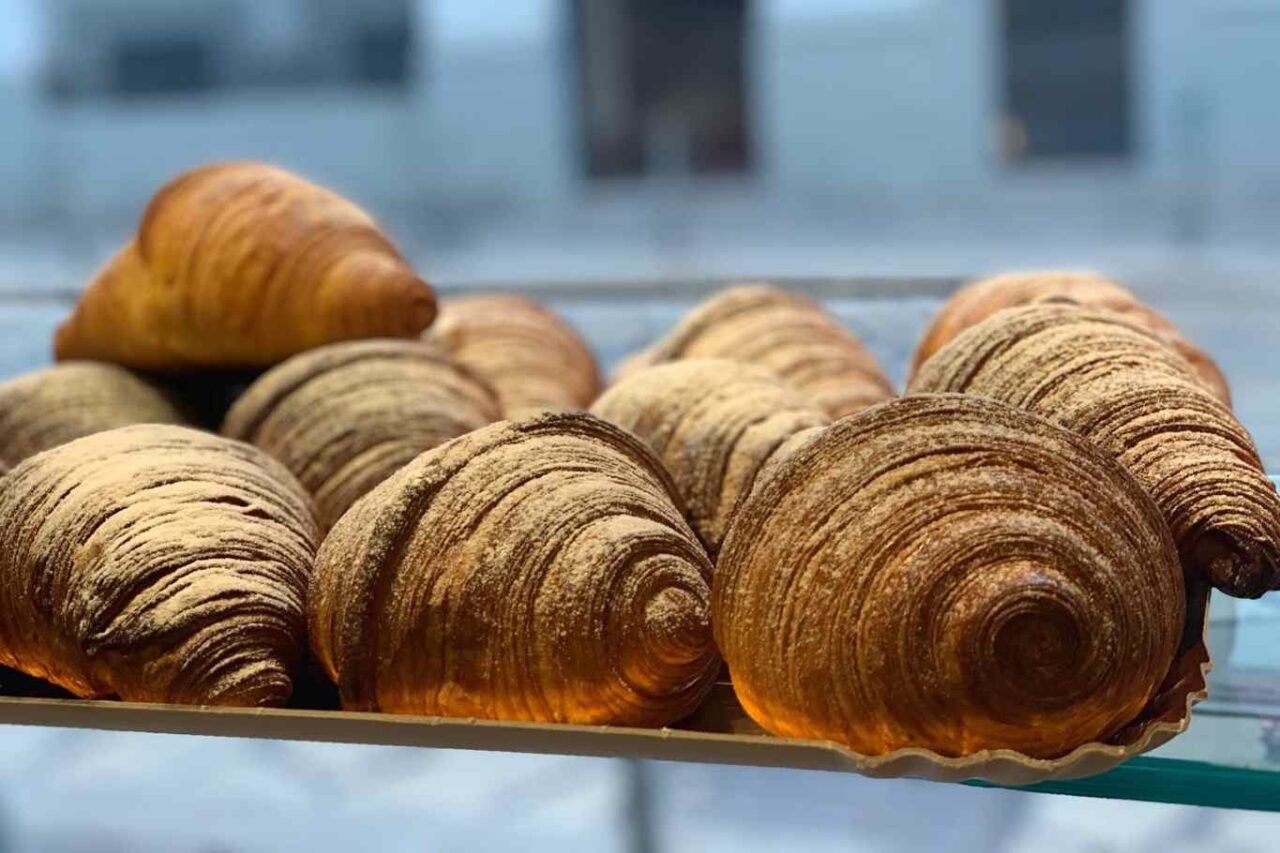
(785, 332)
(1098, 374)
(157, 564)
(715, 424)
(533, 359)
(58, 404)
(948, 573)
(979, 300)
(537, 570)
(345, 417)
(243, 265)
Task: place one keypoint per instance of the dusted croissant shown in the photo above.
(243, 265)
(536, 570)
(949, 573)
(345, 417)
(979, 300)
(1105, 378)
(785, 332)
(714, 424)
(157, 564)
(534, 360)
(68, 401)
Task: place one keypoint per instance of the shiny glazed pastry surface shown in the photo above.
(538, 570)
(156, 564)
(345, 417)
(1109, 380)
(948, 573)
(244, 265)
(714, 424)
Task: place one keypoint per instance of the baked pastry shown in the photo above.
(1099, 375)
(536, 570)
(243, 265)
(789, 334)
(948, 573)
(714, 424)
(979, 300)
(49, 407)
(533, 359)
(157, 564)
(345, 417)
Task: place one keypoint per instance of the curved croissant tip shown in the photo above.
(422, 309)
(1237, 567)
(677, 625)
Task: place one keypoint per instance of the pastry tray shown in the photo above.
(1230, 757)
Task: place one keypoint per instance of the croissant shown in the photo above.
(49, 407)
(345, 417)
(243, 265)
(714, 424)
(981, 299)
(532, 358)
(1107, 379)
(949, 573)
(785, 332)
(158, 564)
(537, 570)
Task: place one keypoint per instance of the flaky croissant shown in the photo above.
(979, 300)
(537, 570)
(1099, 375)
(49, 407)
(949, 573)
(788, 333)
(714, 424)
(532, 358)
(345, 417)
(157, 564)
(243, 265)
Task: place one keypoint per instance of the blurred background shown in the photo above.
(613, 153)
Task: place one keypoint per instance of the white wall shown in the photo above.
(875, 95)
(497, 95)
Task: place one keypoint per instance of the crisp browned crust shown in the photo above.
(243, 265)
(531, 357)
(948, 573)
(785, 332)
(157, 564)
(714, 424)
(538, 570)
(979, 300)
(345, 417)
(49, 407)
(1100, 375)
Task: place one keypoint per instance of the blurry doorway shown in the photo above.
(1066, 80)
(661, 86)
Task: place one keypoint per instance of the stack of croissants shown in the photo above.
(453, 516)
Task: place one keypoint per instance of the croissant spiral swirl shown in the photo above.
(49, 407)
(977, 301)
(785, 332)
(1101, 376)
(949, 573)
(345, 417)
(715, 424)
(157, 564)
(534, 360)
(243, 265)
(537, 570)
